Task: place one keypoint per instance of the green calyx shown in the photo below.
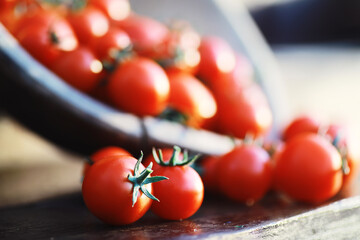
(118, 56)
(175, 158)
(174, 115)
(140, 179)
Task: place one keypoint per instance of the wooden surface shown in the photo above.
(66, 217)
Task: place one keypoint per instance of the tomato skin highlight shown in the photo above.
(47, 39)
(113, 41)
(191, 97)
(308, 169)
(145, 33)
(180, 196)
(139, 86)
(88, 23)
(115, 10)
(245, 173)
(107, 192)
(243, 111)
(80, 68)
(216, 58)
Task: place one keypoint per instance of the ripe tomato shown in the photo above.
(111, 189)
(241, 76)
(245, 173)
(47, 40)
(115, 10)
(180, 49)
(79, 68)
(145, 33)
(299, 125)
(180, 196)
(104, 153)
(308, 169)
(167, 153)
(139, 86)
(208, 172)
(216, 56)
(243, 111)
(88, 23)
(191, 98)
(108, 47)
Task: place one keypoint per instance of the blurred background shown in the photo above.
(315, 44)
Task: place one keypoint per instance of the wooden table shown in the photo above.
(66, 217)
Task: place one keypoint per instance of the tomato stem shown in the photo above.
(140, 179)
(175, 158)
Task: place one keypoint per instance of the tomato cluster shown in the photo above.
(140, 65)
(119, 190)
(311, 164)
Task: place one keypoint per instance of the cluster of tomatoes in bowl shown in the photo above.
(140, 65)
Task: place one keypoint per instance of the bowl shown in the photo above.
(49, 106)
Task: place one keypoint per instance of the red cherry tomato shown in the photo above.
(241, 76)
(115, 10)
(88, 23)
(105, 153)
(308, 169)
(216, 57)
(80, 68)
(108, 46)
(47, 40)
(139, 86)
(145, 33)
(299, 125)
(191, 98)
(245, 173)
(208, 170)
(243, 111)
(182, 195)
(180, 49)
(115, 191)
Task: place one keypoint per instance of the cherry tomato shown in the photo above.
(115, 10)
(180, 49)
(145, 33)
(180, 196)
(308, 169)
(104, 153)
(243, 111)
(216, 57)
(108, 47)
(139, 86)
(241, 76)
(167, 153)
(114, 189)
(208, 170)
(245, 173)
(191, 98)
(80, 68)
(37, 16)
(299, 125)
(47, 40)
(88, 23)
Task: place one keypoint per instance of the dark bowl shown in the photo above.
(46, 104)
